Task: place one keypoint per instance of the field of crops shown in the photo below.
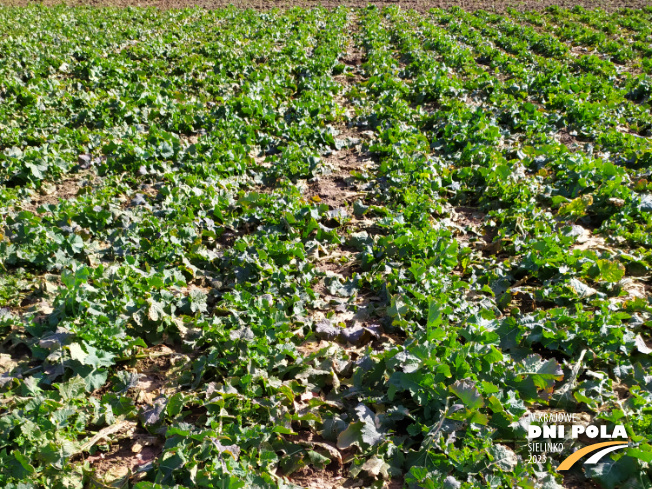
(322, 248)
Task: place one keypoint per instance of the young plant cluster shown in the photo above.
(181, 294)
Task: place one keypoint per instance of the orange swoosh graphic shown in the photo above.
(571, 459)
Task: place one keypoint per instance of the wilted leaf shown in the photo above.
(77, 352)
(610, 271)
(504, 458)
(641, 345)
(582, 289)
(150, 415)
(375, 467)
(468, 394)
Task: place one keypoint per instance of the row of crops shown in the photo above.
(275, 249)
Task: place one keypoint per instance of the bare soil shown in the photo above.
(337, 190)
(571, 142)
(331, 190)
(469, 216)
(66, 189)
(125, 458)
(334, 191)
(313, 479)
(421, 5)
